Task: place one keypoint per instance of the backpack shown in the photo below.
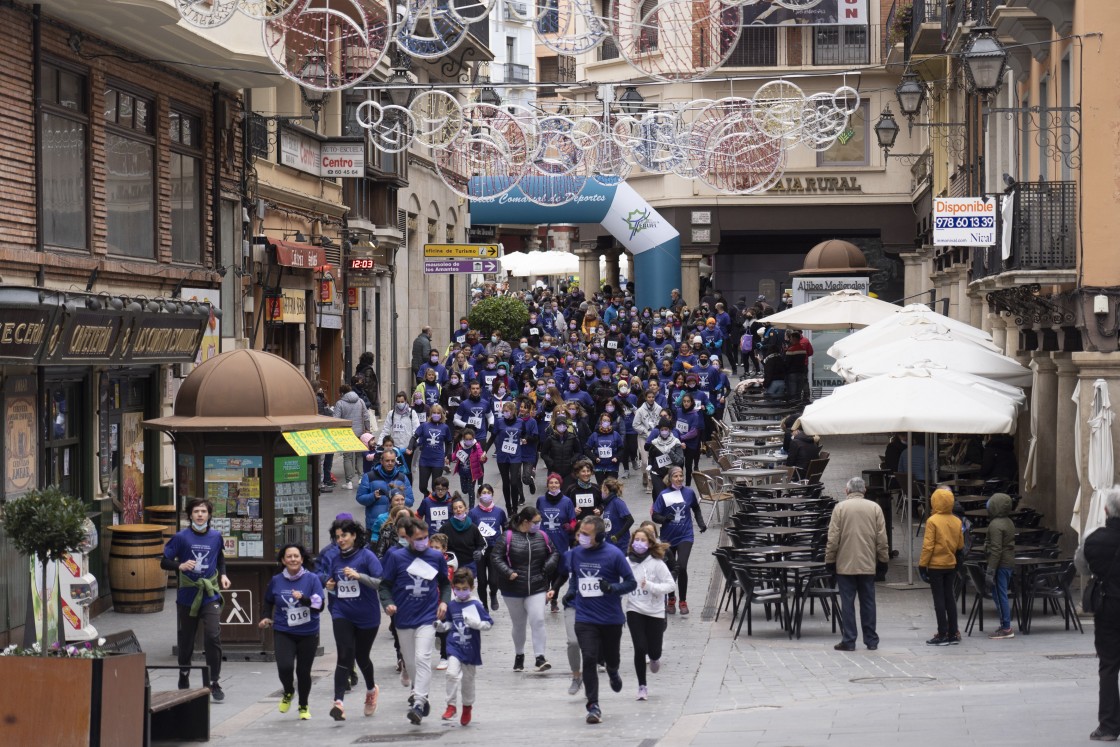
(746, 342)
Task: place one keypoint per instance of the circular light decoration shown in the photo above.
(777, 109)
(559, 168)
(821, 122)
(569, 27)
(488, 157)
(470, 11)
(659, 148)
(438, 118)
(391, 128)
(676, 40)
(206, 14)
(429, 30)
(263, 10)
(328, 45)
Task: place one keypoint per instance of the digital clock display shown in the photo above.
(361, 263)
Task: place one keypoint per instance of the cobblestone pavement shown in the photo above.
(764, 690)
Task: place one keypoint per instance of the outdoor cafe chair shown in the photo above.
(732, 589)
(1052, 585)
(764, 587)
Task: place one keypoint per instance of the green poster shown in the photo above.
(291, 469)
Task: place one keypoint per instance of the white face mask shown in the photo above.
(200, 527)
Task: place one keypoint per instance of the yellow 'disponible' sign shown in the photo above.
(323, 441)
(485, 251)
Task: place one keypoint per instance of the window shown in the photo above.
(850, 148)
(1066, 103)
(185, 131)
(840, 45)
(649, 20)
(63, 155)
(1044, 131)
(757, 47)
(130, 174)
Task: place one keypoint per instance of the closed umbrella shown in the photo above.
(1100, 454)
(1075, 519)
(940, 349)
(1030, 469)
(907, 322)
(842, 309)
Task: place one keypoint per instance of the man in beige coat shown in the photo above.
(856, 552)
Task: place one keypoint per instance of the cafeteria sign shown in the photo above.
(324, 441)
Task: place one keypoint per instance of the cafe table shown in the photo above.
(792, 572)
(757, 424)
(771, 459)
(964, 483)
(754, 433)
(777, 535)
(767, 550)
(784, 517)
(1025, 568)
(956, 470)
(780, 501)
(752, 475)
(778, 488)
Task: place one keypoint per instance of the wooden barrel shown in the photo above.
(135, 578)
(168, 518)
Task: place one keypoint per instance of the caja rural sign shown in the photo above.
(964, 221)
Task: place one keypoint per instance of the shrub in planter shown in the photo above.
(503, 313)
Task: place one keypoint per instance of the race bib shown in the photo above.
(474, 422)
(612, 344)
(663, 461)
(421, 569)
(682, 426)
(509, 446)
(470, 615)
(438, 513)
(605, 452)
(533, 331)
(585, 500)
(462, 455)
(589, 588)
(298, 616)
(486, 530)
(592, 330)
(348, 589)
(673, 497)
(548, 417)
(398, 426)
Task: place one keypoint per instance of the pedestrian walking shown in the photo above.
(196, 553)
(350, 407)
(645, 605)
(856, 552)
(466, 619)
(672, 509)
(524, 561)
(938, 565)
(464, 539)
(353, 574)
(292, 605)
(1099, 554)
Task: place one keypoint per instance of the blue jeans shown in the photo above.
(864, 586)
(999, 594)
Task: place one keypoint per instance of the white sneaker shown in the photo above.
(349, 485)
(442, 665)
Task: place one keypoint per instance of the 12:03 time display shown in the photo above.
(361, 263)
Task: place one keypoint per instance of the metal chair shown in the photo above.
(763, 587)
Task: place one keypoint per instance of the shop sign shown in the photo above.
(326, 292)
(86, 337)
(23, 333)
(167, 339)
(964, 221)
(290, 469)
(339, 158)
(20, 443)
(293, 306)
(352, 298)
(299, 152)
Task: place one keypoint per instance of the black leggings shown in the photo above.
(598, 643)
(630, 451)
(691, 462)
(647, 633)
(511, 485)
(209, 615)
(484, 578)
(295, 653)
(428, 474)
(679, 553)
(353, 644)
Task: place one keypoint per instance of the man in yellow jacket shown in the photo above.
(856, 552)
(938, 565)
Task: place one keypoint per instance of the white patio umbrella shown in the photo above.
(1100, 454)
(842, 309)
(908, 399)
(547, 263)
(514, 261)
(915, 318)
(940, 349)
(1075, 518)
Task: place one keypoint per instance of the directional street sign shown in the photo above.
(465, 251)
(449, 266)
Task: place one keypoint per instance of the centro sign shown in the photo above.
(964, 221)
(342, 159)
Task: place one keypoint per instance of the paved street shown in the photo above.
(759, 690)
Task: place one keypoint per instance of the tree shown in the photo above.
(503, 313)
(45, 524)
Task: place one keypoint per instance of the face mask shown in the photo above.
(468, 444)
(584, 540)
(462, 595)
(454, 380)
(420, 545)
(524, 345)
(623, 390)
(461, 516)
(435, 359)
(605, 377)
(494, 339)
(645, 314)
(572, 411)
(541, 390)
(573, 385)
(509, 417)
(614, 328)
(436, 417)
(462, 325)
(605, 425)
(501, 391)
(594, 356)
(609, 408)
(554, 491)
(490, 366)
(402, 406)
(665, 434)
(199, 527)
(572, 325)
(535, 526)
(532, 320)
(561, 429)
(640, 546)
(402, 541)
(485, 499)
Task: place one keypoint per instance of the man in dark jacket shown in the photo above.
(421, 350)
(1098, 555)
(561, 448)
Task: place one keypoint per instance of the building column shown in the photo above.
(690, 278)
(953, 291)
(1065, 468)
(998, 331)
(588, 270)
(915, 275)
(1045, 394)
(610, 276)
(977, 308)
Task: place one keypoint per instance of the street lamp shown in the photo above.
(317, 78)
(910, 94)
(489, 96)
(631, 101)
(886, 129)
(985, 61)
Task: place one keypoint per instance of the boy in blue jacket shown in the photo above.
(466, 619)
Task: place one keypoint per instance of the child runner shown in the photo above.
(438, 542)
(435, 509)
(605, 447)
(491, 521)
(645, 606)
(465, 620)
(295, 624)
(353, 573)
(468, 459)
(616, 515)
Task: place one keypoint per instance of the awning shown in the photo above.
(323, 441)
(293, 254)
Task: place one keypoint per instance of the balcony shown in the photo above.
(925, 27)
(1043, 232)
(515, 73)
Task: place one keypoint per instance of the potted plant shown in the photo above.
(901, 21)
(45, 525)
(506, 314)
